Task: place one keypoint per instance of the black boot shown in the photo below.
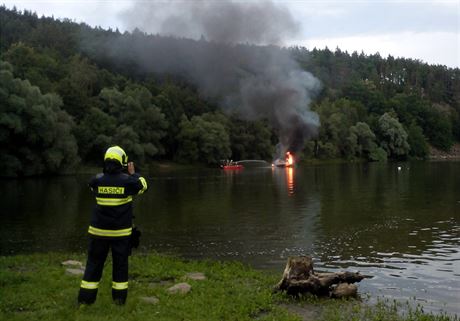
(119, 296)
(87, 296)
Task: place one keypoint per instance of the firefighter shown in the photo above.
(111, 225)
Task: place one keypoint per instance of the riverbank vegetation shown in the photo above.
(37, 287)
(66, 97)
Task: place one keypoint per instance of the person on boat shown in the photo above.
(111, 225)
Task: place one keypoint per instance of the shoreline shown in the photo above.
(91, 169)
(38, 286)
(453, 154)
(434, 155)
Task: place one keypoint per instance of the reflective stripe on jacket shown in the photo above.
(112, 215)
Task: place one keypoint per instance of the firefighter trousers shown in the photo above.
(97, 254)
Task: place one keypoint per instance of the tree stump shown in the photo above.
(300, 278)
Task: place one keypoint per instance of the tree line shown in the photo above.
(64, 100)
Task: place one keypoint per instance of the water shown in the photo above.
(401, 226)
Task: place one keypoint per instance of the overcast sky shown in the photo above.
(428, 30)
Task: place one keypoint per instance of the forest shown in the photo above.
(66, 95)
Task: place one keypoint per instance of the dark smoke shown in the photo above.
(234, 62)
(255, 22)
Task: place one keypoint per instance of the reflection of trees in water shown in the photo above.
(245, 213)
(401, 226)
(371, 209)
(44, 214)
(346, 211)
(300, 209)
(341, 215)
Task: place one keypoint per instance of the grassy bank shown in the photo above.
(37, 287)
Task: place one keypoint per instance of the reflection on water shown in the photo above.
(284, 178)
(290, 179)
(402, 227)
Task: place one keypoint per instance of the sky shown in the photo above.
(428, 30)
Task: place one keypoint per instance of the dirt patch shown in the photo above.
(307, 312)
(454, 153)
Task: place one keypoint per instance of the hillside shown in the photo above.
(70, 90)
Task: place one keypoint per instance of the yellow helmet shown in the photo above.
(116, 153)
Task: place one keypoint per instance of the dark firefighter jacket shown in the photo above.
(112, 215)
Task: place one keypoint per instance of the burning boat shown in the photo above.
(288, 161)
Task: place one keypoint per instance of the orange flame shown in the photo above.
(289, 159)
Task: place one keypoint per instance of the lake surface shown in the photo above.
(400, 225)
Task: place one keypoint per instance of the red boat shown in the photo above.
(235, 166)
(230, 164)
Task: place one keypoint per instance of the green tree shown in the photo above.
(378, 154)
(35, 133)
(438, 128)
(95, 133)
(456, 123)
(392, 136)
(42, 70)
(417, 142)
(250, 139)
(61, 36)
(78, 86)
(436, 124)
(175, 101)
(201, 140)
(362, 143)
(327, 150)
(368, 94)
(127, 137)
(336, 119)
(138, 118)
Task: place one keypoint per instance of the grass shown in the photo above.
(36, 287)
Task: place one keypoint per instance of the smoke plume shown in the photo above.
(227, 50)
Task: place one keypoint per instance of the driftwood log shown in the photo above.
(300, 278)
